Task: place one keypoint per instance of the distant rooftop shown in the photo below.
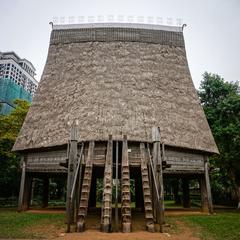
(15, 57)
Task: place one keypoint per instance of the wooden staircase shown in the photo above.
(106, 217)
(146, 190)
(126, 194)
(86, 187)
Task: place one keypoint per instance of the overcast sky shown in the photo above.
(212, 35)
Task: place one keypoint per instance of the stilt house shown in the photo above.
(117, 102)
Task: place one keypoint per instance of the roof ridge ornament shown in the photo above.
(183, 26)
(155, 20)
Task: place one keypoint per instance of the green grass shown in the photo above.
(220, 226)
(172, 204)
(21, 225)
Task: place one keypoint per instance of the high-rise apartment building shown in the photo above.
(16, 80)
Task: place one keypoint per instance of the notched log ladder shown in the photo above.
(146, 191)
(86, 187)
(126, 195)
(106, 217)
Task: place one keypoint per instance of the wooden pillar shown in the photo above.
(45, 192)
(175, 187)
(158, 172)
(186, 193)
(22, 185)
(208, 187)
(204, 199)
(27, 193)
(25, 188)
(72, 162)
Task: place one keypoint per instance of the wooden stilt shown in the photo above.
(45, 192)
(175, 187)
(186, 193)
(22, 186)
(72, 162)
(204, 199)
(157, 164)
(208, 187)
(27, 193)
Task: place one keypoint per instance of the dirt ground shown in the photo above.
(182, 232)
(185, 233)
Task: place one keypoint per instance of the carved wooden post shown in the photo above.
(157, 162)
(72, 161)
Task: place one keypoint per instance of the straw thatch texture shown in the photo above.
(116, 87)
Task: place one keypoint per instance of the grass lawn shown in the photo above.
(220, 226)
(30, 225)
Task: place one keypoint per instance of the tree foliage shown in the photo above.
(221, 103)
(10, 126)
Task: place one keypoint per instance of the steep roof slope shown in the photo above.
(116, 79)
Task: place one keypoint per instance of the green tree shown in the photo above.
(221, 103)
(10, 126)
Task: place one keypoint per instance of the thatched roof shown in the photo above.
(116, 79)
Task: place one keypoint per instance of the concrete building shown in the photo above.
(16, 80)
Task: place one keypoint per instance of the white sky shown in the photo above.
(212, 36)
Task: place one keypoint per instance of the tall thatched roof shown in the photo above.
(116, 79)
